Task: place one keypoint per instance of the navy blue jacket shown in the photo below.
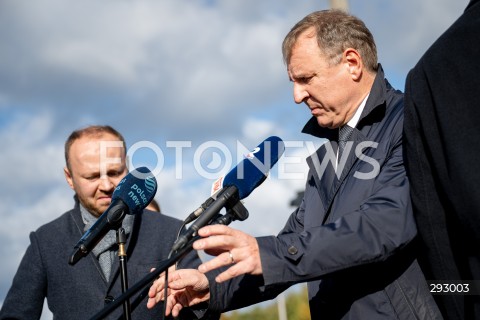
(352, 238)
(79, 291)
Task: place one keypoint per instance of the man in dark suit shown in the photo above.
(82, 290)
(442, 149)
(352, 237)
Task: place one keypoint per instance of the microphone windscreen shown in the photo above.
(136, 189)
(253, 170)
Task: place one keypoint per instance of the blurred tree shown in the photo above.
(297, 309)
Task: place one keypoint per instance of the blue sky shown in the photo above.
(163, 71)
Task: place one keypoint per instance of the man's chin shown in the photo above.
(99, 210)
(326, 123)
(322, 123)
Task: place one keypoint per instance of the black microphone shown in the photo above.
(197, 212)
(237, 184)
(132, 194)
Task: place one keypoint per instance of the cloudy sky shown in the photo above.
(206, 75)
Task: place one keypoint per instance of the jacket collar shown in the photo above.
(375, 100)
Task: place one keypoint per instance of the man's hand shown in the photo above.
(232, 247)
(186, 287)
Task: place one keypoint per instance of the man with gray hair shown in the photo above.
(352, 237)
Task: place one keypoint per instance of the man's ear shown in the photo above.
(68, 177)
(353, 62)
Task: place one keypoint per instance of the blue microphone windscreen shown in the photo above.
(136, 189)
(253, 170)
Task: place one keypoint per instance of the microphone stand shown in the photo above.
(122, 256)
(234, 212)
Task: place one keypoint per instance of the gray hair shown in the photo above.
(335, 31)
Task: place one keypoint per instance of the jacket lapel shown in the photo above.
(77, 218)
(345, 165)
(322, 163)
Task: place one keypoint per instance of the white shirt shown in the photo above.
(356, 117)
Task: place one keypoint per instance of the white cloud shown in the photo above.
(150, 48)
(403, 30)
(30, 161)
(254, 129)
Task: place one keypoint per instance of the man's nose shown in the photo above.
(299, 93)
(106, 184)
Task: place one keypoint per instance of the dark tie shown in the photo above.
(343, 136)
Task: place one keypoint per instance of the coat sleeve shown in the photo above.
(245, 290)
(373, 232)
(240, 292)
(25, 298)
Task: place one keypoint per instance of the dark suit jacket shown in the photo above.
(442, 148)
(79, 291)
(351, 237)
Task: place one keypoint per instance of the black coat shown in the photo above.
(442, 148)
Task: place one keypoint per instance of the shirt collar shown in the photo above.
(356, 117)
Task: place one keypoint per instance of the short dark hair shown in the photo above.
(94, 131)
(335, 31)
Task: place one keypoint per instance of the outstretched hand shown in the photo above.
(186, 287)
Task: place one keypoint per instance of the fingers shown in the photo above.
(221, 260)
(250, 264)
(185, 287)
(234, 271)
(156, 293)
(232, 247)
(219, 238)
(216, 229)
(176, 310)
(157, 287)
(173, 306)
(175, 281)
(158, 284)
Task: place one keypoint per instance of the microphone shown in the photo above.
(132, 194)
(197, 212)
(236, 185)
(254, 163)
(254, 169)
